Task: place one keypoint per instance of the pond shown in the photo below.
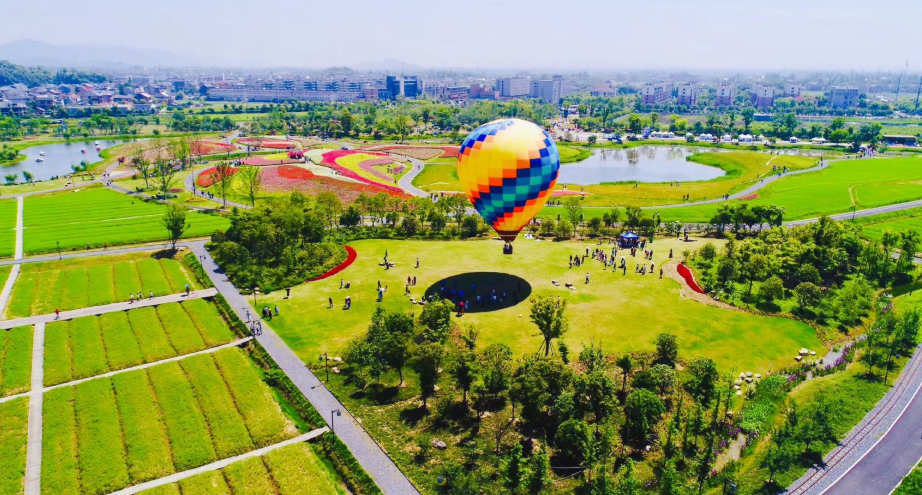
(640, 164)
(58, 158)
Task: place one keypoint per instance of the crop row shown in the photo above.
(93, 345)
(44, 287)
(15, 360)
(95, 216)
(291, 470)
(14, 426)
(7, 227)
(106, 434)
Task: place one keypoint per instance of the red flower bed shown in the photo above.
(750, 197)
(329, 159)
(294, 173)
(210, 147)
(262, 162)
(369, 166)
(686, 274)
(564, 192)
(285, 179)
(209, 176)
(351, 256)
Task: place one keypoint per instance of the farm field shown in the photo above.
(109, 433)
(92, 345)
(7, 227)
(874, 227)
(291, 470)
(15, 360)
(622, 313)
(14, 422)
(84, 282)
(97, 216)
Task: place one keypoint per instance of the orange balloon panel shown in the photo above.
(508, 168)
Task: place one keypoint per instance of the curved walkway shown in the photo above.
(406, 182)
(879, 451)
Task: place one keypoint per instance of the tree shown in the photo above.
(727, 271)
(181, 148)
(755, 268)
(164, 172)
(624, 363)
(428, 360)
(664, 377)
(539, 472)
(703, 381)
(536, 383)
(628, 485)
(27, 176)
(225, 175)
(436, 320)
(498, 426)
(252, 181)
(550, 319)
(642, 410)
(514, 469)
(329, 205)
(174, 219)
(496, 368)
(772, 289)
(574, 210)
(667, 350)
(464, 369)
(808, 295)
(141, 163)
(748, 114)
(596, 393)
(574, 441)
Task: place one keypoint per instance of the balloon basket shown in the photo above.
(507, 248)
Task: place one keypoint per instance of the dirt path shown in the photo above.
(670, 270)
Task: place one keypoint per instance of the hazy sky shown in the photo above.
(588, 34)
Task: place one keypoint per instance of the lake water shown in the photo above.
(58, 158)
(640, 164)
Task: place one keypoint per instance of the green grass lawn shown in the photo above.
(291, 470)
(14, 425)
(97, 216)
(94, 281)
(622, 313)
(15, 360)
(439, 174)
(106, 434)
(91, 345)
(865, 183)
(7, 227)
(911, 484)
(874, 227)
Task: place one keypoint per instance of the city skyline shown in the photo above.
(477, 35)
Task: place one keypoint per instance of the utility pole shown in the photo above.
(919, 93)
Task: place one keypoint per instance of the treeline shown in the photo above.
(824, 271)
(34, 76)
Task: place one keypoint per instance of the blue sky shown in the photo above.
(540, 34)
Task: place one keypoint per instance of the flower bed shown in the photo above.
(564, 192)
(209, 176)
(265, 143)
(750, 197)
(369, 166)
(286, 178)
(351, 256)
(199, 148)
(261, 161)
(686, 274)
(331, 158)
(420, 152)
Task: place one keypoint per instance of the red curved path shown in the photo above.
(351, 255)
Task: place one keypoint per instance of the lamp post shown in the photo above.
(255, 293)
(326, 364)
(333, 414)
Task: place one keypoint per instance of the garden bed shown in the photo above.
(288, 178)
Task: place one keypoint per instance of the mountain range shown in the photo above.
(38, 53)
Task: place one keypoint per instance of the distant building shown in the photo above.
(513, 87)
(842, 97)
(656, 92)
(406, 86)
(688, 94)
(791, 90)
(603, 90)
(548, 90)
(246, 93)
(724, 95)
(763, 96)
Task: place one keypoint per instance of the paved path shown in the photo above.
(406, 182)
(107, 308)
(189, 185)
(42, 390)
(34, 443)
(173, 478)
(368, 453)
(880, 450)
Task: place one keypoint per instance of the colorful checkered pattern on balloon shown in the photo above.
(523, 181)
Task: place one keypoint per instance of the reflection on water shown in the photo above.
(57, 158)
(640, 164)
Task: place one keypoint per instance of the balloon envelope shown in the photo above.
(508, 168)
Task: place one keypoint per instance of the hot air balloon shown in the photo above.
(508, 168)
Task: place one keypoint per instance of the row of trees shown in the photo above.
(592, 416)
